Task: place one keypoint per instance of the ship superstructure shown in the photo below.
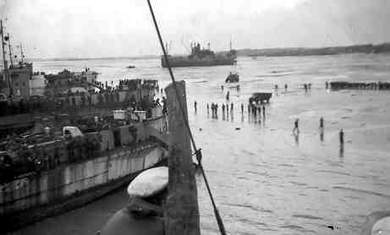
(201, 57)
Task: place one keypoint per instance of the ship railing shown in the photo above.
(49, 155)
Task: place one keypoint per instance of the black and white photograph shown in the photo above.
(184, 117)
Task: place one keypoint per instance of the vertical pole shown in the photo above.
(10, 50)
(3, 51)
(21, 52)
(181, 212)
(6, 74)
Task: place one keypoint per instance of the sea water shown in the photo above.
(265, 179)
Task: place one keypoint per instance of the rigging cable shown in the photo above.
(198, 152)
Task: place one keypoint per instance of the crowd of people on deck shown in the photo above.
(42, 147)
(106, 95)
(71, 100)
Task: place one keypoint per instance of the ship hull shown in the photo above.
(180, 61)
(33, 197)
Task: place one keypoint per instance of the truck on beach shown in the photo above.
(260, 97)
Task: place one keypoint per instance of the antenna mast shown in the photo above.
(3, 51)
(10, 50)
(5, 73)
(21, 52)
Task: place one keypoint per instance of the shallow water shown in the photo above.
(265, 180)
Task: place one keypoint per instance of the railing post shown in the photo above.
(181, 211)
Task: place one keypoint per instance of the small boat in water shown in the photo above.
(130, 67)
(232, 77)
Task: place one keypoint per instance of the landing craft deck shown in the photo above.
(73, 143)
(70, 183)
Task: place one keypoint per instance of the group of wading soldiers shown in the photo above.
(341, 132)
(252, 109)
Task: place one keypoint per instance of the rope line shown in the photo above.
(198, 152)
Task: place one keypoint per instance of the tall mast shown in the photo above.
(3, 51)
(21, 52)
(10, 50)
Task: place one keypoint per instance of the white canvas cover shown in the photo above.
(149, 182)
(74, 131)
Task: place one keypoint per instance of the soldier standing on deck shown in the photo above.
(164, 101)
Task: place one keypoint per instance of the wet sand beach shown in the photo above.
(265, 179)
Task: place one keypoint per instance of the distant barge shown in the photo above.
(201, 57)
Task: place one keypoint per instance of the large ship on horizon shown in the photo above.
(201, 57)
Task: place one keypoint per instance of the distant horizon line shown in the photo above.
(157, 56)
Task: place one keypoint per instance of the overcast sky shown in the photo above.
(97, 28)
